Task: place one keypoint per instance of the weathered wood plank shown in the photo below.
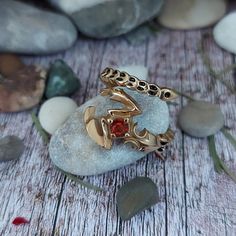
(32, 187)
(211, 198)
(194, 199)
(166, 60)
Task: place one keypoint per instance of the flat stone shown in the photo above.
(135, 196)
(26, 29)
(72, 150)
(201, 119)
(9, 64)
(11, 148)
(62, 81)
(191, 14)
(102, 19)
(225, 33)
(22, 90)
(54, 112)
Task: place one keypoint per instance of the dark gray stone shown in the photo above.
(110, 18)
(26, 29)
(201, 119)
(135, 196)
(11, 148)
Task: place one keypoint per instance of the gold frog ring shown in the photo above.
(118, 123)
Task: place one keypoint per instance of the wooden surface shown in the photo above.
(195, 200)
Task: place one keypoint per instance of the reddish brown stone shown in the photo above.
(9, 64)
(22, 90)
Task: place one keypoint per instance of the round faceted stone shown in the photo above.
(119, 127)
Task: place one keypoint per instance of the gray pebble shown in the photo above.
(201, 119)
(102, 19)
(11, 148)
(135, 196)
(26, 29)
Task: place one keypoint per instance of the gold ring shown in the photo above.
(118, 123)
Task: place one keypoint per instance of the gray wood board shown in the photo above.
(195, 200)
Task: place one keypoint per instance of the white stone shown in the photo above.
(139, 71)
(190, 14)
(225, 33)
(54, 112)
(71, 6)
(72, 150)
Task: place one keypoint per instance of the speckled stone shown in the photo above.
(72, 150)
(62, 81)
(11, 148)
(201, 119)
(23, 89)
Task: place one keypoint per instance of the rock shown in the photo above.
(26, 29)
(224, 33)
(54, 112)
(11, 148)
(62, 81)
(201, 119)
(22, 90)
(101, 18)
(9, 64)
(135, 196)
(140, 34)
(139, 70)
(191, 14)
(72, 150)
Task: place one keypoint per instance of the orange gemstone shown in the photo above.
(119, 127)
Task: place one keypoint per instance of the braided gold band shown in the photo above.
(118, 123)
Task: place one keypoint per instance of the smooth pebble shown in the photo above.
(225, 33)
(11, 148)
(54, 112)
(72, 150)
(135, 196)
(102, 19)
(62, 81)
(191, 14)
(30, 30)
(201, 119)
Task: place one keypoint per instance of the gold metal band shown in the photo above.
(118, 123)
(114, 78)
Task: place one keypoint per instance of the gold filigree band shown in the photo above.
(118, 123)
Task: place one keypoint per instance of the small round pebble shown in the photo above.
(54, 112)
(11, 148)
(201, 119)
(225, 33)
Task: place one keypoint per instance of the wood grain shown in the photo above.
(194, 199)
